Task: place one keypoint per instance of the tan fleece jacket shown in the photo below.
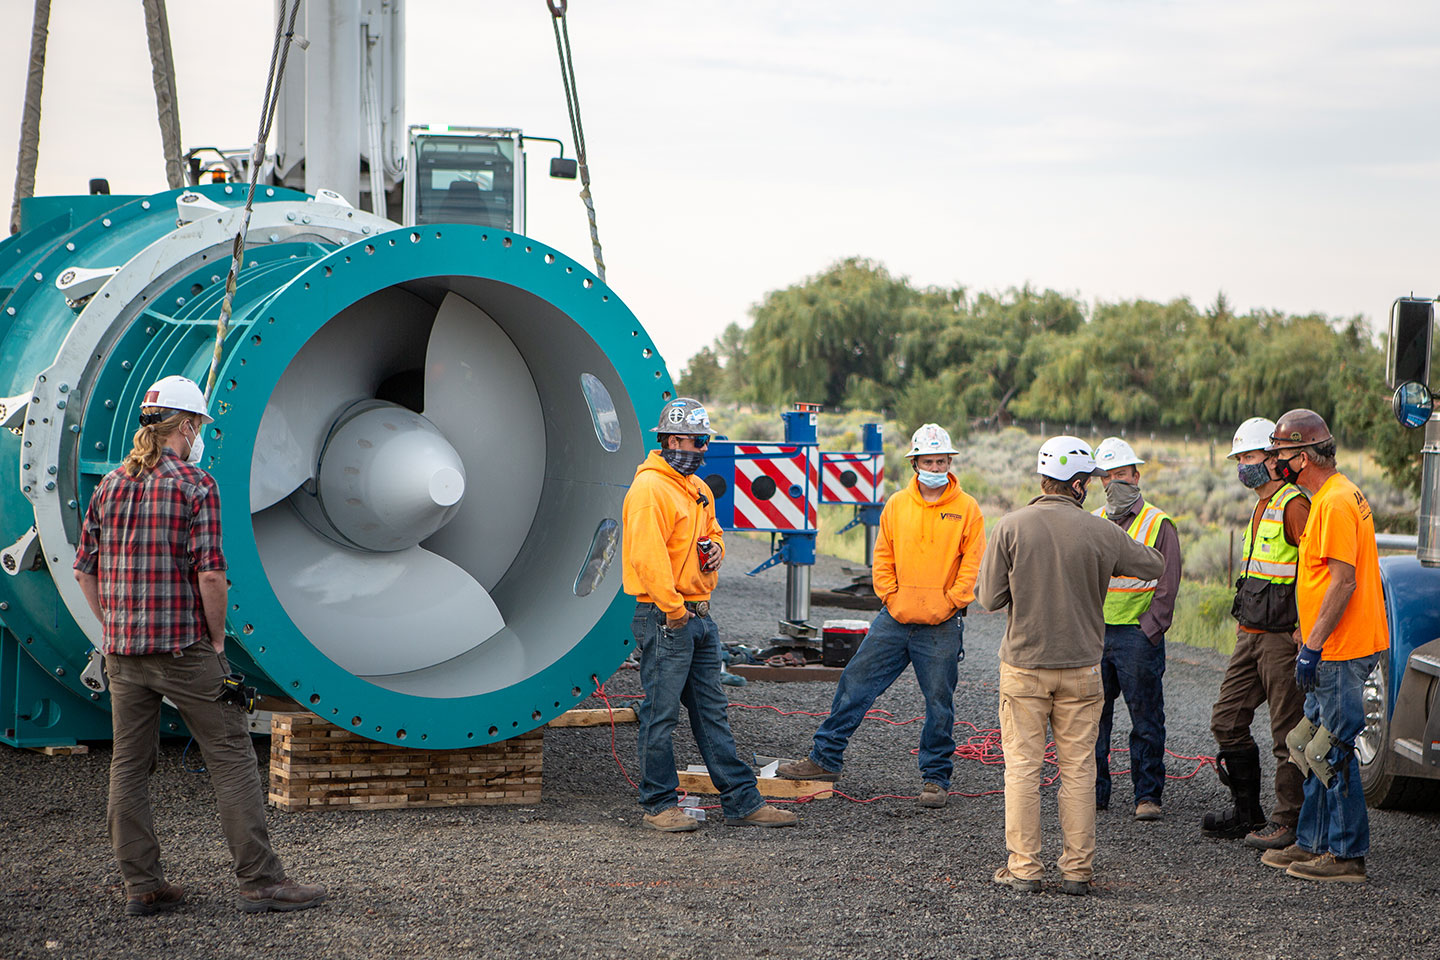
(1050, 562)
(927, 554)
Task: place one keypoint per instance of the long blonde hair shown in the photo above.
(149, 441)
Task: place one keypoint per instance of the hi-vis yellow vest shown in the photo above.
(1271, 557)
(1129, 597)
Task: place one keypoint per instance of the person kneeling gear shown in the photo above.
(1296, 740)
(1310, 748)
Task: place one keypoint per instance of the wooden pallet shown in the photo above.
(768, 786)
(592, 717)
(73, 750)
(317, 765)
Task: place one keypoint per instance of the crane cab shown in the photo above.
(470, 175)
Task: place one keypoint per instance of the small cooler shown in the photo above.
(840, 639)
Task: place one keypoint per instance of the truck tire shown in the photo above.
(1385, 790)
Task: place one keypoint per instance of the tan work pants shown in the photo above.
(1070, 701)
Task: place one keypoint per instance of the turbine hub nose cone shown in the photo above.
(388, 478)
(447, 486)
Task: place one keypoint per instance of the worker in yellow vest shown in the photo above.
(1137, 614)
(1262, 668)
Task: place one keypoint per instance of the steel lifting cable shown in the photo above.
(577, 130)
(284, 36)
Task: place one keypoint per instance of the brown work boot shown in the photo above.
(282, 897)
(163, 898)
(806, 769)
(1282, 859)
(932, 795)
(766, 816)
(1148, 810)
(1327, 866)
(1005, 878)
(1272, 836)
(671, 820)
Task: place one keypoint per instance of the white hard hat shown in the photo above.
(177, 393)
(1114, 452)
(1064, 458)
(684, 416)
(1253, 434)
(929, 440)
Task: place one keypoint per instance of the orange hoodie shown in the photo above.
(928, 554)
(665, 515)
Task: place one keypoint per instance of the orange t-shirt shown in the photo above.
(1341, 528)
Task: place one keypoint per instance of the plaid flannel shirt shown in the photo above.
(148, 538)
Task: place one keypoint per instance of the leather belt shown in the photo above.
(701, 608)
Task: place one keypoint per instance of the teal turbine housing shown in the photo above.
(422, 439)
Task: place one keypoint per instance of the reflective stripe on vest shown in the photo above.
(1271, 557)
(1128, 597)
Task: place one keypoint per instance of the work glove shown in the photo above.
(1306, 662)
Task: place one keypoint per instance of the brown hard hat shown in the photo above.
(1298, 428)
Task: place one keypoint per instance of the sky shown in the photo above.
(1285, 152)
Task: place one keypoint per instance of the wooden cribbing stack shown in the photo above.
(315, 764)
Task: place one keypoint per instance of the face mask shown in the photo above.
(1080, 496)
(1120, 496)
(683, 462)
(1254, 475)
(933, 480)
(1285, 472)
(197, 447)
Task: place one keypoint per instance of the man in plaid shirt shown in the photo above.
(151, 566)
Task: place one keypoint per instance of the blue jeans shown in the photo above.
(883, 655)
(683, 667)
(1335, 820)
(1135, 667)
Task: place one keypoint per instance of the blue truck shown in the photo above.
(1399, 749)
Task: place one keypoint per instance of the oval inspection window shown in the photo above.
(602, 412)
(602, 550)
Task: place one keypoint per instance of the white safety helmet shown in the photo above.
(1114, 453)
(1253, 434)
(929, 440)
(683, 416)
(177, 393)
(1065, 458)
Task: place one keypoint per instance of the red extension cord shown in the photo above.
(983, 746)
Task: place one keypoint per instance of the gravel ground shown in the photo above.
(574, 876)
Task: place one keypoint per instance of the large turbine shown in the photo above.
(422, 439)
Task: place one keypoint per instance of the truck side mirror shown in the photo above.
(1407, 355)
(563, 168)
(1413, 404)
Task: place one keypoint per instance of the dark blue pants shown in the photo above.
(885, 652)
(1135, 667)
(682, 667)
(1334, 819)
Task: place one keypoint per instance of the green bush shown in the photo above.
(1202, 616)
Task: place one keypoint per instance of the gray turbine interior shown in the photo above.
(512, 405)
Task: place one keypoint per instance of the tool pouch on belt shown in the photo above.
(1265, 605)
(1297, 740)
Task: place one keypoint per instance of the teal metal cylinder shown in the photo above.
(519, 358)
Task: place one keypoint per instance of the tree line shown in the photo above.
(858, 337)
